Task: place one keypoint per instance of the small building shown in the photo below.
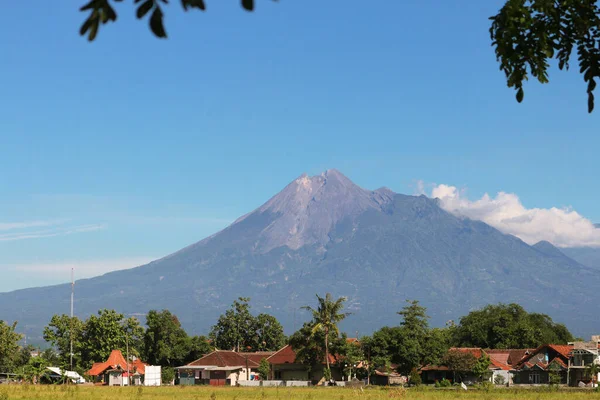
(582, 356)
(116, 371)
(219, 368)
(56, 375)
(385, 377)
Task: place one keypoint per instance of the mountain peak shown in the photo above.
(308, 208)
(548, 249)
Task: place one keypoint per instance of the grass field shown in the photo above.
(10, 392)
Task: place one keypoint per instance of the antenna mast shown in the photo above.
(72, 297)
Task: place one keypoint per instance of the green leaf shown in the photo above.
(248, 4)
(156, 23)
(85, 26)
(144, 8)
(520, 95)
(590, 102)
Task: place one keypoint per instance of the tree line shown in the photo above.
(163, 341)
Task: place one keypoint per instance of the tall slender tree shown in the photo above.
(326, 318)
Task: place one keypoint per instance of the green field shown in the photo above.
(10, 392)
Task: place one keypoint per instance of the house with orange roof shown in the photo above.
(116, 371)
(537, 367)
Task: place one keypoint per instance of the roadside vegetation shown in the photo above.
(410, 344)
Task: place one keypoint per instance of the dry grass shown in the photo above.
(54, 392)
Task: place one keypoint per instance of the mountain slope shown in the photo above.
(588, 256)
(325, 234)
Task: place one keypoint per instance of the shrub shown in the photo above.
(167, 375)
(414, 378)
(445, 383)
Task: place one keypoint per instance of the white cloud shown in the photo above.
(563, 227)
(83, 268)
(45, 229)
(7, 226)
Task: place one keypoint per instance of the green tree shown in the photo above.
(101, 12)
(592, 371)
(264, 369)
(307, 346)
(481, 367)
(436, 344)
(239, 330)
(165, 342)
(268, 333)
(414, 378)
(9, 346)
(326, 318)
(58, 333)
(235, 330)
(167, 375)
(554, 377)
(51, 357)
(527, 34)
(24, 355)
(412, 341)
(459, 361)
(199, 347)
(35, 370)
(108, 331)
(505, 326)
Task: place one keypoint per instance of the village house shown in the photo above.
(542, 363)
(505, 361)
(582, 356)
(436, 373)
(284, 366)
(387, 377)
(116, 371)
(219, 368)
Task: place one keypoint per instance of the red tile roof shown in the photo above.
(563, 349)
(285, 355)
(116, 361)
(562, 356)
(497, 364)
(508, 356)
(224, 358)
(257, 356)
(475, 351)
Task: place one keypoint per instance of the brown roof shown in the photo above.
(224, 358)
(475, 351)
(257, 356)
(285, 355)
(561, 356)
(508, 356)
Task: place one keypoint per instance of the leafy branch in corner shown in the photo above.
(101, 12)
(527, 34)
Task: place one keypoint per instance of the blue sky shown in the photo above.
(126, 149)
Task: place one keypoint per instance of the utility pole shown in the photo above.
(71, 328)
(127, 354)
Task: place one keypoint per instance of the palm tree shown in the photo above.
(593, 370)
(326, 317)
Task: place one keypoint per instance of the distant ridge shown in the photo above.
(325, 234)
